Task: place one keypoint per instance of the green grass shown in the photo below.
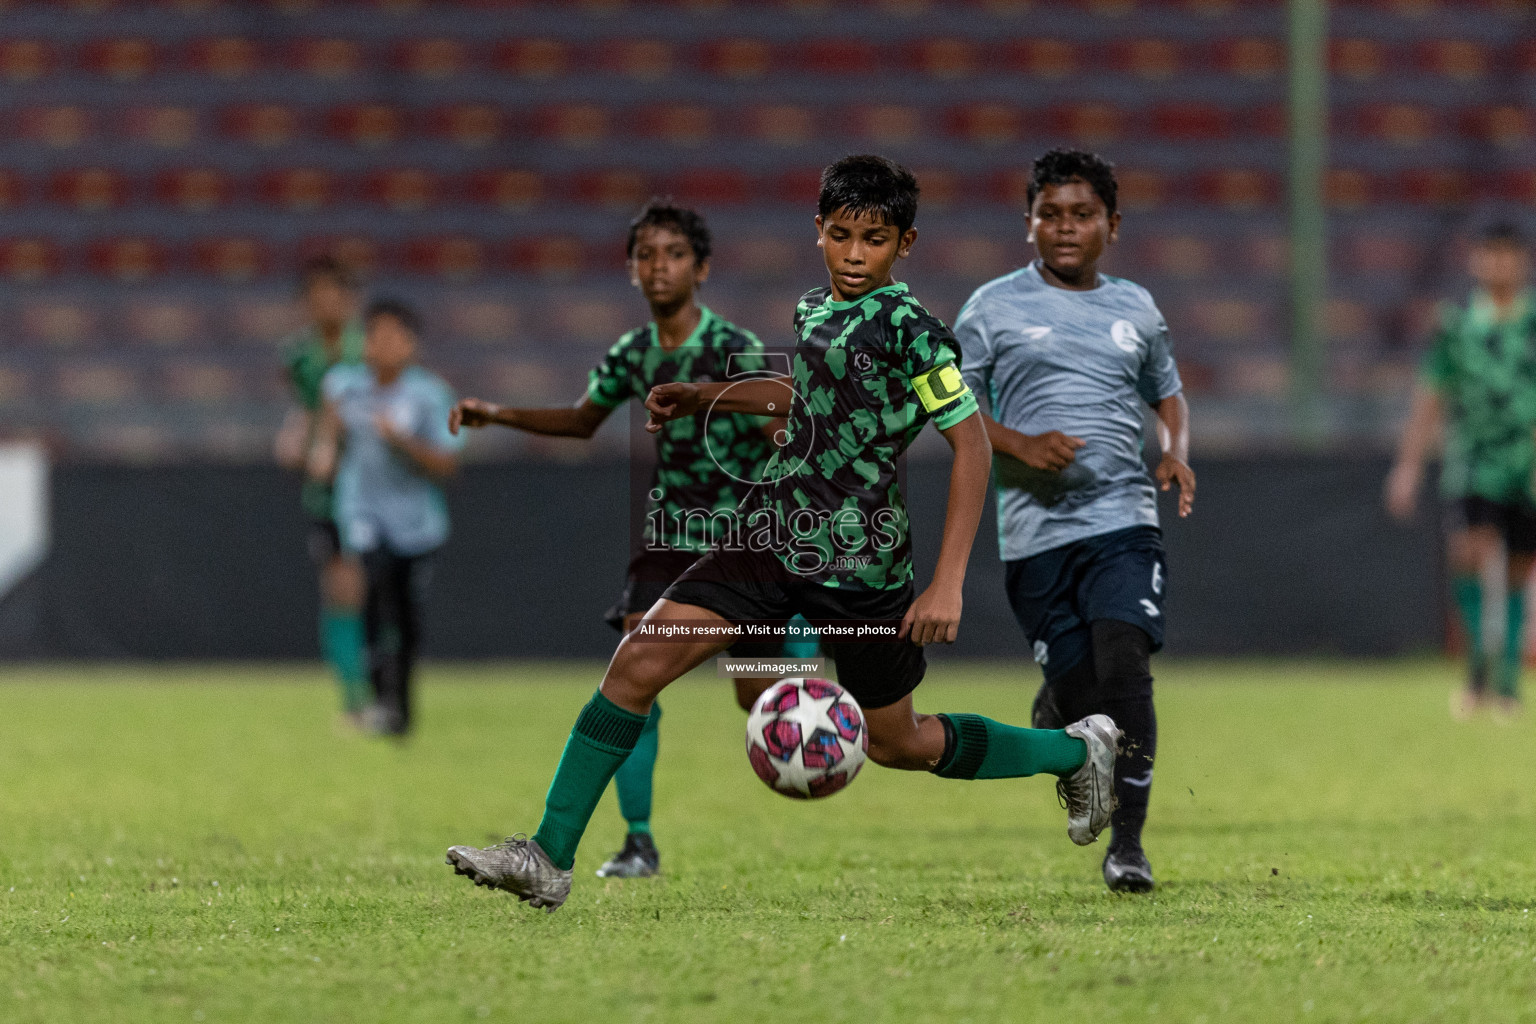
(184, 844)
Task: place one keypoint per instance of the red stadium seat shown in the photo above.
(741, 60)
(333, 59)
(508, 190)
(89, 189)
(130, 259)
(58, 127)
(1517, 186)
(889, 125)
(1251, 58)
(199, 383)
(1525, 57)
(122, 60)
(26, 60)
(558, 258)
(1349, 188)
(1236, 321)
(1375, 253)
(1044, 58)
(482, 320)
(1397, 124)
(537, 60)
(578, 125)
(839, 57)
(781, 124)
(165, 323)
(1508, 126)
(367, 125)
(13, 190)
(975, 257)
(798, 186)
(1435, 186)
(1181, 256)
(235, 260)
(1153, 59)
(1238, 188)
(946, 59)
(1089, 124)
(173, 127)
(456, 258)
(29, 260)
(1359, 59)
(298, 189)
(713, 186)
(194, 189)
(435, 59)
(1460, 59)
(228, 58)
(469, 125)
(619, 190)
(95, 383)
(267, 125)
(403, 190)
(942, 187)
(768, 257)
(1142, 189)
(680, 124)
(988, 124)
(1008, 187)
(1191, 122)
(59, 324)
(361, 255)
(644, 60)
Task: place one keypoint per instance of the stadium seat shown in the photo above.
(57, 127)
(199, 383)
(678, 124)
(435, 59)
(888, 124)
(797, 186)
(1377, 254)
(1153, 59)
(1089, 124)
(194, 189)
(1253, 58)
(1397, 124)
(1180, 256)
(508, 190)
(557, 258)
(987, 124)
(1358, 59)
(89, 189)
(1238, 188)
(367, 125)
(121, 60)
(129, 260)
(403, 189)
(1043, 58)
(469, 125)
(234, 260)
(164, 323)
(781, 124)
(298, 189)
(618, 190)
(738, 59)
(364, 256)
(1191, 122)
(26, 60)
(711, 187)
(1510, 127)
(266, 125)
(456, 258)
(93, 382)
(643, 60)
(482, 320)
(537, 60)
(1349, 188)
(164, 127)
(1517, 186)
(837, 57)
(58, 323)
(228, 58)
(13, 190)
(763, 257)
(332, 59)
(946, 59)
(1435, 186)
(1460, 59)
(577, 125)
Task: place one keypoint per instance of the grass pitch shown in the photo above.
(202, 845)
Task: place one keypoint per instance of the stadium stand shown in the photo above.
(166, 165)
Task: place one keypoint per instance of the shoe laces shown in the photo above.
(1071, 797)
(517, 842)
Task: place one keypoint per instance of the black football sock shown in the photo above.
(1122, 661)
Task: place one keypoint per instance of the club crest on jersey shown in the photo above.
(939, 386)
(863, 362)
(1123, 334)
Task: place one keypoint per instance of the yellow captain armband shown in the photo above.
(939, 386)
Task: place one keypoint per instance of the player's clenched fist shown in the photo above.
(934, 617)
(1053, 451)
(668, 402)
(472, 412)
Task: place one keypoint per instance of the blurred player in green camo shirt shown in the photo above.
(1478, 387)
(334, 336)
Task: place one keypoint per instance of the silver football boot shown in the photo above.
(1088, 794)
(519, 866)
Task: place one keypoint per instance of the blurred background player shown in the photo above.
(1477, 389)
(700, 467)
(333, 336)
(1066, 357)
(383, 439)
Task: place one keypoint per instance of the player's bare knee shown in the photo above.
(637, 673)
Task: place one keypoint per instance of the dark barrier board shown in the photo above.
(1288, 555)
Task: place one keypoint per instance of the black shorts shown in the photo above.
(1515, 521)
(752, 586)
(1057, 594)
(650, 573)
(324, 541)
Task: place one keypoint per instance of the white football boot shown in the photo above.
(1088, 794)
(517, 865)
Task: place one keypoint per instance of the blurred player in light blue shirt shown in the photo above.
(1067, 360)
(384, 440)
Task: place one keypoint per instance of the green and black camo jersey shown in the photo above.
(1484, 369)
(705, 464)
(868, 374)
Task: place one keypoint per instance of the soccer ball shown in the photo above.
(806, 738)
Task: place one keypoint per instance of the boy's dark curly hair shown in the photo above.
(1060, 166)
(664, 213)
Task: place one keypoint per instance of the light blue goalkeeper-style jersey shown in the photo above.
(382, 498)
(1045, 358)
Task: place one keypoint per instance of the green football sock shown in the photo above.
(634, 778)
(802, 641)
(342, 641)
(602, 738)
(984, 749)
(1467, 591)
(1514, 646)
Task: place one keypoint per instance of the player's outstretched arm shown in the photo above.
(934, 617)
(758, 396)
(1173, 434)
(1419, 436)
(427, 457)
(1052, 451)
(580, 420)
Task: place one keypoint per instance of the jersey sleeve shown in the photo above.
(929, 358)
(975, 348)
(335, 382)
(1159, 378)
(435, 430)
(608, 383)
(1438, 370)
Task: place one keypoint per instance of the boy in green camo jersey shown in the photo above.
(703, 468)
(333, 337)
(826, 536)
(1479, 381)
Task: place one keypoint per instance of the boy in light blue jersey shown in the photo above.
(1067, 359)
(384, 439)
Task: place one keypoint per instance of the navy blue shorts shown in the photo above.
(1058, 593)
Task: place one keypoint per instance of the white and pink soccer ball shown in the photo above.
(806, 738)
